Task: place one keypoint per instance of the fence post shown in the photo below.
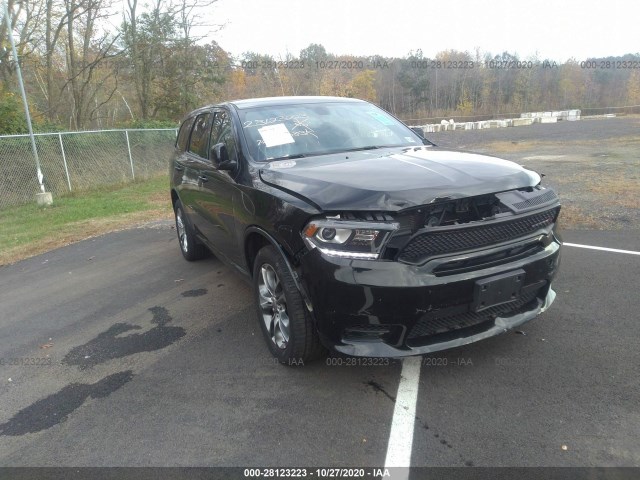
(126, 133)
(64, 160)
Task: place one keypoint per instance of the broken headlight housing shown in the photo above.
(348, 238)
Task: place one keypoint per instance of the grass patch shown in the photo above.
(29, 230)
(572, 216)
(503, 146)
(617, 189)
(542, 145)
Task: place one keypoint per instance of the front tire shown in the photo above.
(285, 322)
(189, 246)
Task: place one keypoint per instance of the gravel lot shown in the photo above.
(594, 165)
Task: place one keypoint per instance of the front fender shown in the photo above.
(278, 247)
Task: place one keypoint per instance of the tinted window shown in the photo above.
(183, 135)
(219, 118)
(200, 135)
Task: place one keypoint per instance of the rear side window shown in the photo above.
(200, 135)
(183, 135)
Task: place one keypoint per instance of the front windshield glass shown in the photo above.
(293, 131)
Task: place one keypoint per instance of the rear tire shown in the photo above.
(190, 247)
(285, 322)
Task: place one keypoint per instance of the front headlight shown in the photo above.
(348, 238)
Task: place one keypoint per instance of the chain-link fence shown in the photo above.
(73, 161)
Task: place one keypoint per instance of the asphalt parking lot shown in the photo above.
(117, 352)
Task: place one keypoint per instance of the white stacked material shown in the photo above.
(517, 122)
(559, 114)
(527, 118)
(574, 115)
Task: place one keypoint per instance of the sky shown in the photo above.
(557, 30)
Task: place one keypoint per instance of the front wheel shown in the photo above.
(189, 246)
(287, 326)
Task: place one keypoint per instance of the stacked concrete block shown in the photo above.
(527, 118)
(574, 115)
(517, 122)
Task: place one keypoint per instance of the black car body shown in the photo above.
(357, 233)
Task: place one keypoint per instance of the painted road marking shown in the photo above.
(615, 250)
(404, 416)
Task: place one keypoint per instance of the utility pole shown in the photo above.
(43, 198)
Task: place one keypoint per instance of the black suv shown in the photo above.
(356, 232)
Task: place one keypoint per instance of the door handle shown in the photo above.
(203, 178)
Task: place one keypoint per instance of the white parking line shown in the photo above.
(615, 250)
(404, 415)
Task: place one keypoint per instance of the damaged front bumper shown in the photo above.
(501, 325)
(392, 309)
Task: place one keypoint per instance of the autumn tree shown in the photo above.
(313, 57)
(363, 86)
(414, 78)
(168, 65)
(633, 88)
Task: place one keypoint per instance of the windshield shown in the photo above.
(293, 131)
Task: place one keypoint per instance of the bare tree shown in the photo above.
(25, 20)
(86, 50)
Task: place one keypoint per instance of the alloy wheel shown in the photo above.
(182, 231)
(273, 306)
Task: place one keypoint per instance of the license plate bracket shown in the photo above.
(497, 290)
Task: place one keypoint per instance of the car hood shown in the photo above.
(392, 179)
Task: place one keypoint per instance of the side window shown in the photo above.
(200, 134)
(183, 134)
(222, 132)
(218, 119)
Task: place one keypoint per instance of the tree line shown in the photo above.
(87, 64)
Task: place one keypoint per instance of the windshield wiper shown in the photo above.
(287, 157)
(368, 147)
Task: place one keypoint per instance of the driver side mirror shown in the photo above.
(220, 157)
(420, 132)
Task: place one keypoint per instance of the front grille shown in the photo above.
(539, 200)
(433, 325)
(427, 244)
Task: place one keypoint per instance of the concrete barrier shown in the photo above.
(44, 199)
